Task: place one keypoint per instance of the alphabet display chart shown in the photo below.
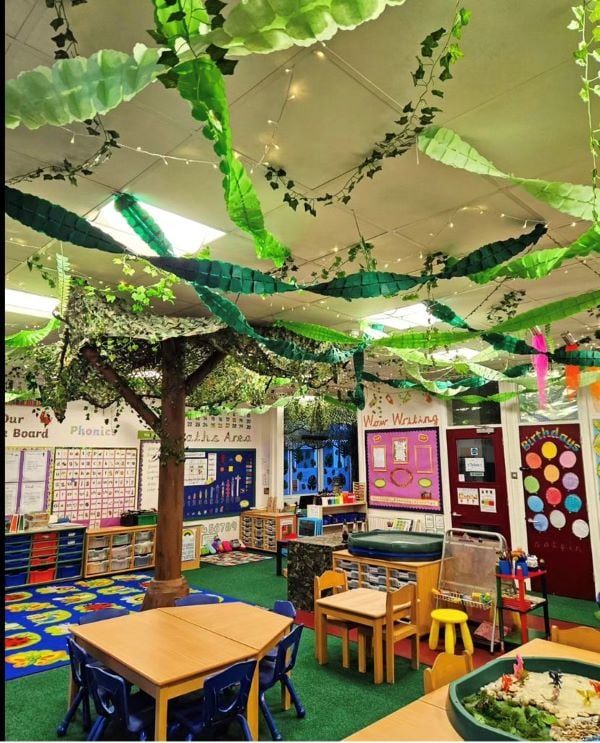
(26, 479)
(94, 486)
(403, 469)
(218, 481)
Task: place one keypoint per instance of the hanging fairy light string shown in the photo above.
(290, 95)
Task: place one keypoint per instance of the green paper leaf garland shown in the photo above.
(142, 224)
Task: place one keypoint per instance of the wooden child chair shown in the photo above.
(335, 581)
(585, 638)
(447, 667)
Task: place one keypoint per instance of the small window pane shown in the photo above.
(482, 413)
(476, 460)
(559, 407)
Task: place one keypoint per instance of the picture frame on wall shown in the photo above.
(400, 450)
(378, 457)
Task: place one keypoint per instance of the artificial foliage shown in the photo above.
(142, 224)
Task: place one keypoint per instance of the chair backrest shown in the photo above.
(285, 608)
(109, 692)
(196, 599)
(402, 605)
(446, 668)
(98, 616)
(226, 693)
(287, 650)
(331, 580)
(78, 658)
(585, 638)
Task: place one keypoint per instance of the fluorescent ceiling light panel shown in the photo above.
(455, 353)
(185, 235)
(403, 318)
(23, 303)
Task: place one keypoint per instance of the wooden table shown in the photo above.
(426, 718)
(169, 652)
(359, 606)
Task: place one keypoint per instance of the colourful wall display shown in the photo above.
(26, 479)
(555, 504)
(403, 469)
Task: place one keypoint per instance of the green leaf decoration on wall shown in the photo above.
(318, 333)
(80, 88)
(366, 284)
(27, 338)
(142, 224)
(447, 147)
(265, 26)
(493, 254)
(542, 262)
(552, 312)
(200, 82)
(180, 20)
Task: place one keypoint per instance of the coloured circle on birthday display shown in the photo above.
(570, 481)
(553, 496)
(557, 519)
(549, 450)
(532, 484)
(551, 472)
(533, 460)
(568, 459)
(540, 522)
(580, 528)
(379, 483)
(573, 503)
(535, 503)
(425, 482)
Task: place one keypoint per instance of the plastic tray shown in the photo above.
(120, 539)
(96, 542)
(121, 564)
(92, 568)
(99, 554)
(144, 548)
(118, 553)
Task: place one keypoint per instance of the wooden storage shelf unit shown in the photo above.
(388, 575)
(43, 555)
(117, 549)
(260, 530)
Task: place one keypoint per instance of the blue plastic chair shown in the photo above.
(196, 599)
(273, 673)
(224, 700)
(79, 659)
(286, 609)
(98, 616)
(113, 701)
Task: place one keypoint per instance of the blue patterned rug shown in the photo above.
(36, 619)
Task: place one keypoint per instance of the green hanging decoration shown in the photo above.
(28, 338)
(489, 256)
(447, 147)
(200, 82)
(359, 367)
(446, 314)
(318, 333)
(549, 313)
(79, 88)
(367, 284)
(178, 21)
(497, 397)
(142, 224)
(583, 357)
(429, 339)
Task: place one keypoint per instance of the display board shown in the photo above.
(216, 481)
(26, 479)
(94, 486)
(403, 469)
(558, 528)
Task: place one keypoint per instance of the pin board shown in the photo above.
(26, 479)
(216, 481)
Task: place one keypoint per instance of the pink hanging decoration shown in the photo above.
(541, 366)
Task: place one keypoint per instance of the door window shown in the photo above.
(476, 460)
(483, 413)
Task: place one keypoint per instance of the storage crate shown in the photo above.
(44, 538)
(144, 548)
(72, 554)
(43, 560)
(99, 554)
(119, 540)
(118, 553)
(93, 568)
(69, 571)
(96, 542)
(144, 536)
(120, 564)
(142, 561)
(15, 579)
(42, 576)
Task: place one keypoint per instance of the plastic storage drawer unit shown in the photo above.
(142, 561)
(97, 542)
(144, 548)
(42, 576)
(118, 553)
(15, 579)
(100, 554)
(69, 571)
(119, 540)
(93, 568)
(144, 536)
(121, 564)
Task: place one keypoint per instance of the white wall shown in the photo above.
(22, 428)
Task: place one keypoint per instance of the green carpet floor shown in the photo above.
(577, 611)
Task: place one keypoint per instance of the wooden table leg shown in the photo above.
(321, 636)
(160, 715)
(378, 651)
(252, 708)
(363, 639)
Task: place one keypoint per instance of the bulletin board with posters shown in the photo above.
(403, 469)
(558, 527)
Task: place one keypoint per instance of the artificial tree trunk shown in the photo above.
(168, 584)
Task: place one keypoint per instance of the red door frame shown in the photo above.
(471, 516)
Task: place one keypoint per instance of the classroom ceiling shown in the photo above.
(514, 97)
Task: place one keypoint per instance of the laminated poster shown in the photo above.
(467, 496)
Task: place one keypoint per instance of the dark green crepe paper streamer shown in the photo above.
(200, 82)
(577, 358)
(446, 314)
(366, 285)
(142, 224)
(490, 256)
(54, 221)
(508, 343)
(319, 333)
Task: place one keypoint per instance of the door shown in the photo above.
(478, 493)
(555, 505)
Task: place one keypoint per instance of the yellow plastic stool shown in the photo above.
(449, 617)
